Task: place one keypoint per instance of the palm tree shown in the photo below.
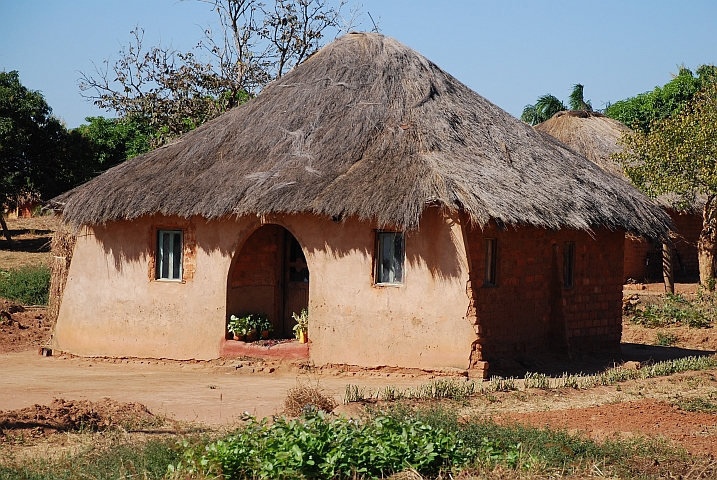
(546, 106)
(577, 101)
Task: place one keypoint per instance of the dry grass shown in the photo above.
(368, 128)
(308, 395)
(63, 244)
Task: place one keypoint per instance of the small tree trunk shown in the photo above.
(707, 245)
(667, 272)
(5, 230)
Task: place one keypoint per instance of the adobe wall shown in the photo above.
(529, 311)
(643, 259)
(113, 306)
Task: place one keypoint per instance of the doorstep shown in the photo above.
(289, 350)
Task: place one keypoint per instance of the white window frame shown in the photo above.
(378, 271)
(170, 256)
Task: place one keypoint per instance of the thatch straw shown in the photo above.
(62, 246)
(306, 395)
(596, 136)
(367, 127)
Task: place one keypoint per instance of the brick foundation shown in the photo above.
(529, 310)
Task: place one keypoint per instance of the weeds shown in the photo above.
(677, 310)
(665, 339)
(697, 404)
(119, 459)
(441, 388)
(29, 285)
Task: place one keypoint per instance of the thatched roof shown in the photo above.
(596, 136)
(367, 127)
(591, 134)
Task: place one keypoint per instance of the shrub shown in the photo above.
(28, 285)
(665, 339)
(317, 446)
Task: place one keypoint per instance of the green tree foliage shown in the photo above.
(678, 155)
(545, 107)
(173, 92)
(114, 140)
(548, 105)
(38, 156)
(640, 111)
(577, 100)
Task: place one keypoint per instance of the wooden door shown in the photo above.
(296, 283)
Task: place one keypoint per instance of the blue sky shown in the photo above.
(508, 51)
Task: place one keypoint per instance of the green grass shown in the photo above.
(665, 339)
(120, 459)
(697, 404)
(28, 285)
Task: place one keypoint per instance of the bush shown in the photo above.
(306, 397)
(318, 446)
(27, 285)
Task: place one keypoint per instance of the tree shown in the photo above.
(546, 106)
(114, 140)
(640, 111)
(577, 100)
(172, 92)
(32, 143)
(678, 155)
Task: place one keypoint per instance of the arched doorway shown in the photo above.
(269, 275)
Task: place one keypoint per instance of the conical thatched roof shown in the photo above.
(591, 134)
(596, 136)
(371, 128)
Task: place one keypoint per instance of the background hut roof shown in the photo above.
(371, 128)
(596, 136)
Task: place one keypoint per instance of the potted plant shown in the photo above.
(301, 329)
(238, 327)
(263, 325)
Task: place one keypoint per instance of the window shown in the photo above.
(390, 258)
(169, 255)
(568, 264)
(491, 251)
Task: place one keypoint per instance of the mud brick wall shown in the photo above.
(529, 310)
(635, 267)
(689, 226)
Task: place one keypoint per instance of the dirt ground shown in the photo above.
(31, 242)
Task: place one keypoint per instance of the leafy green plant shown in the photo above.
(238, 325)
(260, 322)
(29, 285)
(665, 339)
(302, 322)
(319, 446)
(677, 310)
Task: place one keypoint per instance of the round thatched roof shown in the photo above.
(591, 134)
(367, 127)
(595, 136)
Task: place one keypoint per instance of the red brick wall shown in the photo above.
(529, 310)
(689, 227)
(258, 263)
(686, 267)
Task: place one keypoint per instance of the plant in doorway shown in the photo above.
(239, 326)
(301, 329)
(261, 324)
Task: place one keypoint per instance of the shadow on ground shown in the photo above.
(590, 363)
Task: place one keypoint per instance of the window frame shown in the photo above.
(158, 252)
(490, 262)
(378, 256)
(568, 265)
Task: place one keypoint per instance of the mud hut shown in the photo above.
(596, 137)
(422, 225)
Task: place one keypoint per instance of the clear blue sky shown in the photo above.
(508, 51)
